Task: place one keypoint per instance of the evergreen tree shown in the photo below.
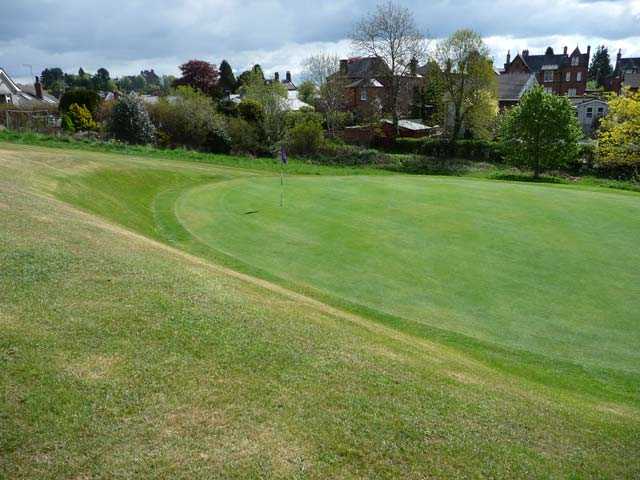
(227, 81)
(600, 68)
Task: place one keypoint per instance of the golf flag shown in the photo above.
(283, 155)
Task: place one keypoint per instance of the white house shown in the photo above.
(24, 96)
(589, 111)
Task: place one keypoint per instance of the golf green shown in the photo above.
(545, 269)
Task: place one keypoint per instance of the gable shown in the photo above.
(7, 86)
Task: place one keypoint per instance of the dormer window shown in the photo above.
(5, 99)
(575, 61)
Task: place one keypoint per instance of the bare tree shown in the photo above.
(467, 74)
(323, 70)
(391, 34)
(319, 67)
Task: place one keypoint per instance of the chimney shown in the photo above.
(413, 67)
(276, 76)
(508, 58)
(38, 87)
(618, 58)
(566, 50)
(525, 53)
(588, 51)
(289, 77)
(344, 67)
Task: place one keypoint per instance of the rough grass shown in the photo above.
(124, 357)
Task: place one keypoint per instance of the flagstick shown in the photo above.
(281, 185)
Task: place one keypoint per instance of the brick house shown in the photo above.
(561, 74)
(625, 75)
(367, 86)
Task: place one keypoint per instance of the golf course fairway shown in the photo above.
(168, 318)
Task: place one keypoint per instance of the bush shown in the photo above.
(80, 118)
(475, 150)
(251, 111)
(619, 136)
(81, 96)
(130, 122)
(306, 135)
(337, 153)
(192, 121)
(67, 124)
(246, 137)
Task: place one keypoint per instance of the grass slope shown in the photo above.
(123, 357)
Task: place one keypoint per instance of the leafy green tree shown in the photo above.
(82, 96)
(257, 71)
(190, 120)
(102, 81)
(272, 98)
(431, 95)
(465, 70)
(83, 80)
(307, 92)
(129, 121)
(227, 82)
(619, 138)
(600, 68)
(50, 77)
(542, 132)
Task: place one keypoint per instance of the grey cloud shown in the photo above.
(123, 31)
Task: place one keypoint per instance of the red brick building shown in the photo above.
(561, 74)
(625, 75)
(367, 86)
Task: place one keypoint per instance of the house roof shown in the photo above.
(581, 102)
(625, 64)
(551, 61)
(366, 67)
(511, 86)
(24, 94)
(46, 97)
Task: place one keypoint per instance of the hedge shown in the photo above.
(476, 150)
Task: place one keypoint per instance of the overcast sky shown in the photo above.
(126, 36)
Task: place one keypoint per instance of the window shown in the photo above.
(568, 76)
(548, 76)
(364, 95)
(5, 99)
(572, 92)
(579, 76)
(590, 112)
(548, 89)
(600, 111)
(575, 61)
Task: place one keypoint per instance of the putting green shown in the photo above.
(546, 269)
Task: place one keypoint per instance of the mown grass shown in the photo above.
(122, 357)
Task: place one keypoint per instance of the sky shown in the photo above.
(126, 36)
